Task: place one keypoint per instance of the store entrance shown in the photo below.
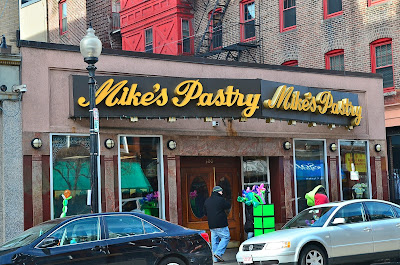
(199, 176)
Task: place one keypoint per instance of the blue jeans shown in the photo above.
(219, 240)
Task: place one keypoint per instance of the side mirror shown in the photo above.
(339, 221)
(49, 242)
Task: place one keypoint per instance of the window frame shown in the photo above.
(211, 15)
(294, 63)
(330, 54)
(373, 45)
(152, 40)
(243, 21)
(281, 17)
(375, 2)
(60, 16)
(189, 37)
(326, 15)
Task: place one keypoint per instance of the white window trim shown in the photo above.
(368, 167)
(160, 172)
(327, 188)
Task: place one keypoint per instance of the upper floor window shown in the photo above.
(287, 16)
(216, 29)
(186, 47)
(62, 6)
(247, 20)
(291, 63)
(382, 63)
(115, 9)
(332, 8)
(334, 60)
(374, 2)
(148, 40)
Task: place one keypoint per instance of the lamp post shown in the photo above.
(90, 47)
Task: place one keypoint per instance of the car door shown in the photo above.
(353, 239)
(132, 240)
(79, 243)
(385, 229)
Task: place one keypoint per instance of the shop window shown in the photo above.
(287, 14)
(382, 63)
(140, 174)
(374, 2)
(354, 169)
(215, 29)
(334, 60)
(186, 43)
(291, 63)
(70, 171)
(332, 8)
(62, 7)
(247, 21)
(310, 169)
(256, 172)
(148, 40)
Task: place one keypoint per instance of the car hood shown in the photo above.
(284, 235)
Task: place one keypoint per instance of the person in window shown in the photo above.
(214, 209)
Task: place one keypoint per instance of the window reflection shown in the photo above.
(197, 196)
(354, 170)
(223, 182)
(71, 171)
(139, 174)
(310, 168)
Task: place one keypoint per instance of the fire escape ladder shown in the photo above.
(223, 5)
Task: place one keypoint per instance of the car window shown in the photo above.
(352, 213)
(125, 225)
(397, 210)
(149, 228)
(79, 231)
(379, 211)
(312, 217)
(28, 236)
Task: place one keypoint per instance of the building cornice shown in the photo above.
(10, 59)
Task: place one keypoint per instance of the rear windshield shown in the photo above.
(28, 236)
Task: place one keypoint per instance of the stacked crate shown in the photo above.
(264, 219)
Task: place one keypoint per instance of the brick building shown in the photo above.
(9, 17)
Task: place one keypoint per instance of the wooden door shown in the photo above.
(199, 176)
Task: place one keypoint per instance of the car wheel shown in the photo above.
(172, 261)
(313, 255)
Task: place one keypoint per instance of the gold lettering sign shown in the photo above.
(287, 99)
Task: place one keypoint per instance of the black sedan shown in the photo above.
(108, 238)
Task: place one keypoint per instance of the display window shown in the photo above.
(310, 169)
(139, 174)
(354, 169)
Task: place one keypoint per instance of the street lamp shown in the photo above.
(90, 47)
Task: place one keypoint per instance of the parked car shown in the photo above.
(108, 238)
(348, 232)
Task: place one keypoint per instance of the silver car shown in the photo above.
(348, 232)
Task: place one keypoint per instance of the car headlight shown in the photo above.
(277, 245)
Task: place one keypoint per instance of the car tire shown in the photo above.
(172, 261)
(313, 255)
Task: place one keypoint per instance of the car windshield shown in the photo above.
(28, 236)
(312, 217)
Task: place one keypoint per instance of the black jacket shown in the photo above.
(214, 209)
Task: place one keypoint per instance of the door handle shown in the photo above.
(367, 229)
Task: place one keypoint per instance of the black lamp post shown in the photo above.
(90, 47)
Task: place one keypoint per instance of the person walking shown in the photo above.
(214, 209)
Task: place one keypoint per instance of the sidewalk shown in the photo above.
(229, 257)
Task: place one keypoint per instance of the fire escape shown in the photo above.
(226, 40)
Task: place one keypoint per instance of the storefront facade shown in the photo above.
(172, 127)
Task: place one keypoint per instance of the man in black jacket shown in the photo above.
(214, 209)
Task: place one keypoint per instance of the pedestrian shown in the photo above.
(249, 224)
(214, 209)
